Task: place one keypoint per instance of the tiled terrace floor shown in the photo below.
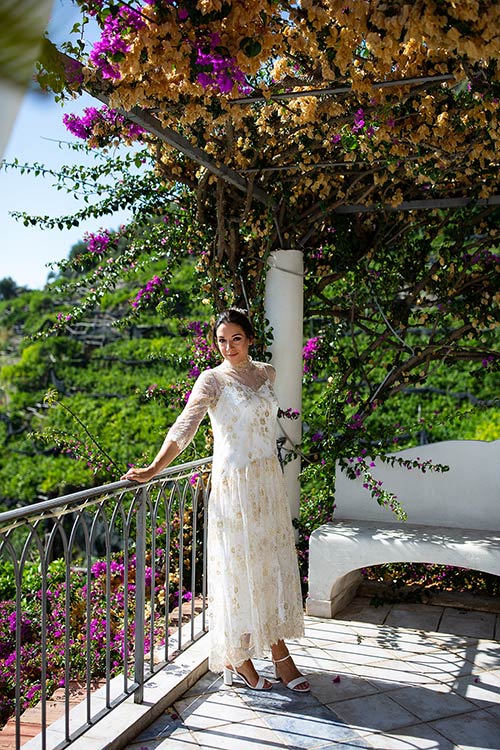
(401, 677)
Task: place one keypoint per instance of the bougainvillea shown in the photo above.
(99, 127)
(321, 105)
(114, 611)
(364, 134)
(154, 289)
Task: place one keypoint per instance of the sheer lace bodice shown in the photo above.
(207, 391)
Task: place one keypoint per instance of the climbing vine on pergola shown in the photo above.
(364, 133)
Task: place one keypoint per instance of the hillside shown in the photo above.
(117, 381)
(127, 383)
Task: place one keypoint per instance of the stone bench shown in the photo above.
(453, 519)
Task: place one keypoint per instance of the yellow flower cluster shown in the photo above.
(366, 141)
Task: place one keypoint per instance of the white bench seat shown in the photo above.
(453, 519)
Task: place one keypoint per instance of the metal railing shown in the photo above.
(103, 582)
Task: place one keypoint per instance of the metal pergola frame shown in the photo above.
(148, 120)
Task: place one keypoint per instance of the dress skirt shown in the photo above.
(254, 592)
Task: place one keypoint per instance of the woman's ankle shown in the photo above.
(279, 652)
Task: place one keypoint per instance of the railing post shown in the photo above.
(140, 594)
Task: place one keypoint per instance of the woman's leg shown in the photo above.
(247, 670)
(286, 666)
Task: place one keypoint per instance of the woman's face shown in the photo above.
(233, 343)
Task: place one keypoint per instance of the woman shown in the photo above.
(254, 597)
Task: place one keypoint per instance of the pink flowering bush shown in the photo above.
(100, 127)
(97, 242)
(111, 47)
(77, 628)
(434, 578)
(212, 66)
(154, 291)
(311, 355)
(216, 70)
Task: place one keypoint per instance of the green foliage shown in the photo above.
(31, 578)
(110, 400)
(26, 478)
(434, 578)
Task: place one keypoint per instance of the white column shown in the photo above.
(284, 306)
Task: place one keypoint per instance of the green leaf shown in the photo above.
(250, 46)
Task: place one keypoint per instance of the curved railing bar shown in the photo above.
(86, 496)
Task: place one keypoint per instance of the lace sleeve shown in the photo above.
(203, 395)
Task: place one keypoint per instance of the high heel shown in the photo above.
(293, 684)
(229, 672)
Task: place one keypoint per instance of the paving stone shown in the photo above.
(243, 736)
(373, 713)
(466, 622)
(484, 655)
(212, 709)
(312, 729)
(209, 683)
(393, 672)
(164, 726)
(417, 617)
(353, 743)
(331, 687)
(471, 730)
(360, 609)
(278, 700)
(399, 641)
(184, 741)
(428, 704)
(365, 651)
(449, 641)
(440, 665)
(482, 689)
(494, 710)
(418, 737)
(322, 661)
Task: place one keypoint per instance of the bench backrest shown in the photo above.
(466, 496)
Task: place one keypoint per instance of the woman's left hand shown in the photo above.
(139, 475)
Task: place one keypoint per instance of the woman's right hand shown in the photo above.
(134, 474)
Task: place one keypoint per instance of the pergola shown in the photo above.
(284, 299)
(250, 183)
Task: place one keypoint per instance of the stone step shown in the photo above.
(31, 719)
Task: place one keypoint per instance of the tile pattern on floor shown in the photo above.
(380, 679)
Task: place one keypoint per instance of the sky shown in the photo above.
(26, 251)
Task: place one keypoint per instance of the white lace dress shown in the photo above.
(254, 596)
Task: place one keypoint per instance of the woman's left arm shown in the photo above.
(183, 430)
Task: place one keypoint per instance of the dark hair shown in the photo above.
(237, 316)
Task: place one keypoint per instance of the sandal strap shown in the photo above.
(277, 661)
(297, 681)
